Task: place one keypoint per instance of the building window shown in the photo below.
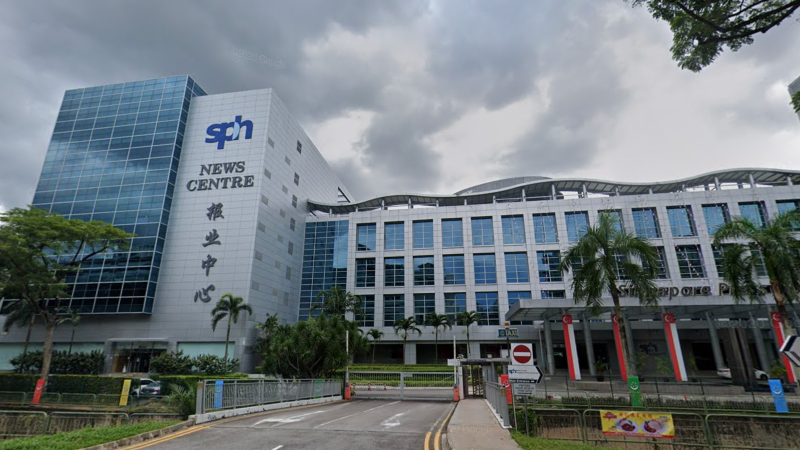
(394, 238)
(785, 206)
(452, 233)
(619, 263)
(513, 299)
(271, 142)
(616, 215)
(681, 221)
(485, 272)
(661, 269)
(296, 179)
(324, 261)
(290, 248)
(423, 271)
(717, 251)
(716, 216)
(544, 228)
(365, 237)
(394, 309)
(513, 230)
(454, 303)
(288, 161)
(577, 223)
(754, 212)
(267, 174)
(558, 294)
(292, 224)
(758, 261)
(645, 223)
(423, 234)
(299, 147)
(424, 304)
(690, 261)
(365, 272)
(453, 269)
(548, 266)
(394, 272)
(294, 201)
(367, 316)
(488, 308)
(517, 268)
(482, 233)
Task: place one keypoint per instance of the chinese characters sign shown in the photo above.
(640, 424)
(212, 238)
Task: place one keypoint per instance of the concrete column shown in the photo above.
(751, 180)
(761, 351)
(587, 337)
(108, 351)
(631, 347)
(715, 347)
(410, 353)
(548, 344)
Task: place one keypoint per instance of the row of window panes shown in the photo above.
(645, 223)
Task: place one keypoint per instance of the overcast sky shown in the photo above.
(420, 96)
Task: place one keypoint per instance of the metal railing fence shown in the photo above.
(403, 385)
(231, 394)
(57, 398)
(32, 423)
(496, 396)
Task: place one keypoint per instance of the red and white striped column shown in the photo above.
(620, 354)
(572, 349)
(780, 335)
(674, 345)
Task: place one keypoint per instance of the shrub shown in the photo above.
(182, 399)
(214, 365)
(78, 384)
(172, 363)
(62, 362)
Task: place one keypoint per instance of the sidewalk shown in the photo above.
(474, 427)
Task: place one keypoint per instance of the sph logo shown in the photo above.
(219, 134)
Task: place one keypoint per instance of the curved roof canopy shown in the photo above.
(541, 188)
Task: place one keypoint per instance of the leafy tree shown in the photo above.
(230, 307)
(39, 251)
(337, 301)
(172, 363)
(607, 255)
(267, 330)
(406, 325)
(21, 314)
(314, 348)
(376, 336)
(74, 319)
(214, 365)
(747, 246)
(438, 320)
(465, 319)
(701, 28)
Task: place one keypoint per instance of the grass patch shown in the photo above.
(78, 439)
(532, 443)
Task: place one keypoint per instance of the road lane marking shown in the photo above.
(290, 419)
(430, 431)
(351, 415)
(166, 438)
(388, 422)
(437, 439)
(276, 448)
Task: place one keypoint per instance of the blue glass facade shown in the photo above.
(114, 157)
(324, 261)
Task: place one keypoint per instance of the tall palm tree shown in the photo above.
(772, 248)
(337, 301)
(376, 336)
(74, 319)
(608, 258)
(438, 320)
(467, 318)
(21, 314)
(230, 307)
(406, 325)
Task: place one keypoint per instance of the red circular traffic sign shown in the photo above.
(521, 354)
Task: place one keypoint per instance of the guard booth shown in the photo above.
(477, 371)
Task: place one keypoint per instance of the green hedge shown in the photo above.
(75, 384)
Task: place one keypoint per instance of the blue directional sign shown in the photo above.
(507, 332)
(218, 394)
(776, 388)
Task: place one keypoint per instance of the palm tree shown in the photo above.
(337, 301)
(376, 336)
(230, 307)
(75, 319)
(771, 248)
(438, 320)
(21, 314)
(467, 318)
(607, 254)
(407, 324)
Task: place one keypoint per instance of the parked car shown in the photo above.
(726, 373)
(142, 383)
(154, 388)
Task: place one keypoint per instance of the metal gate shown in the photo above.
(402, 385)
(473, 381)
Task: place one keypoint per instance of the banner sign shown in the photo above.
(635, 390)
(126, 390)
(618, 340)
(780, 336)
(674, 345)
(37, 392)
(572, 348)
(639, 424)
(778, 396)
(218, 394)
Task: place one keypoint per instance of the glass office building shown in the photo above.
(114, 157)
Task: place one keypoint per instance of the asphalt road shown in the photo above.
(354, 425)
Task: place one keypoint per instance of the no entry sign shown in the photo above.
(522, 354)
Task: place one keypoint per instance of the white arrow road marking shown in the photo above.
(291, 419)
(276, 448)
(351, 415)
(386, 424)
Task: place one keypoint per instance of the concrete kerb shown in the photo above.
(223, 414)
(139, 438)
